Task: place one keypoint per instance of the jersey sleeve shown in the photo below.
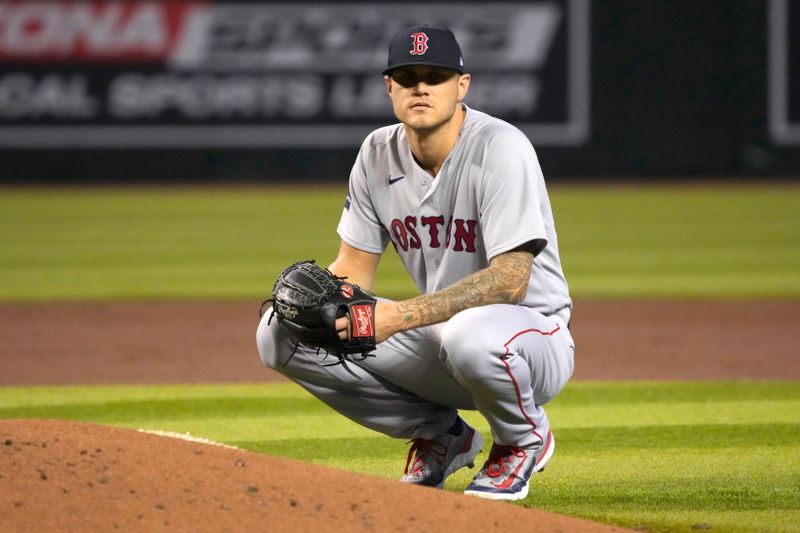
(510, 196)
(359, 225)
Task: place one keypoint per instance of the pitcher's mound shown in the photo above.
(72, 476)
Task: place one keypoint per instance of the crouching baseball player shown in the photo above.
(461, 197)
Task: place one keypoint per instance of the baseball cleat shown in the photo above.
(507, 472)
(431, 461)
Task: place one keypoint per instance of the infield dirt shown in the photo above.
(74, 476)
(214, 342)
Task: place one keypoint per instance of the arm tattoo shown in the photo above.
(505, 280)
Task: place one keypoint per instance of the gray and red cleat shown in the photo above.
(507, 472)
(431, 461)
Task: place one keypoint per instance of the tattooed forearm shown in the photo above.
(505, 280)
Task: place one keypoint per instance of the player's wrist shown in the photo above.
(388, 319)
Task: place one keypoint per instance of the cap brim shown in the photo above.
(419, 64)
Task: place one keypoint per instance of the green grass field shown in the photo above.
(661, 241)
(665, 456)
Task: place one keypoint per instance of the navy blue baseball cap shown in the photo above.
(432, 46)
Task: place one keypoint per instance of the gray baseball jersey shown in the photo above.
(504, 360)
(488, 198)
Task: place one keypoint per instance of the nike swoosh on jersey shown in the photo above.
(392, 180)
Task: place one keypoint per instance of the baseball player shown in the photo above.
(461, 197)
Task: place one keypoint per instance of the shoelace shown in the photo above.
(500, 458)
(424, 448)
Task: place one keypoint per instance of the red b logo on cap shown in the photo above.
(420, 44)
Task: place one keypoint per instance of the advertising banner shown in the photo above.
(267, 74)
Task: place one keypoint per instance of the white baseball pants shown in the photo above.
(506, 361)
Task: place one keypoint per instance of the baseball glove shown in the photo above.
(308, 299)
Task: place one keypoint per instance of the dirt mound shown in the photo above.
(73, 476)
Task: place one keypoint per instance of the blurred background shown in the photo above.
(127, 91)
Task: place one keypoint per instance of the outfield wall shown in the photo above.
(254, 90)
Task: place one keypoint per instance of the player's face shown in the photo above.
(424, 98)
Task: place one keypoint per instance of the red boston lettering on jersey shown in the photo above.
(413, 236)
(460, 232)
(400, 234)
(464, 235)
(419, 44)
(433, 224)
(361, 321)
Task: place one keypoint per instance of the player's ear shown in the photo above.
(463, 86)
(388, 81)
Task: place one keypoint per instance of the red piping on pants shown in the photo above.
(513, 379)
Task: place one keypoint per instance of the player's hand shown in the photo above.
(343, 327)
(387, 322)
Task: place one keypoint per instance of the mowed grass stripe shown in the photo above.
(703, 436)
(597, 393)
(675, 413)
(665, 404)
(576, 394)
(572, 443)
(194, 409)
(561, 414)
(46, 395)
(732, 521)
